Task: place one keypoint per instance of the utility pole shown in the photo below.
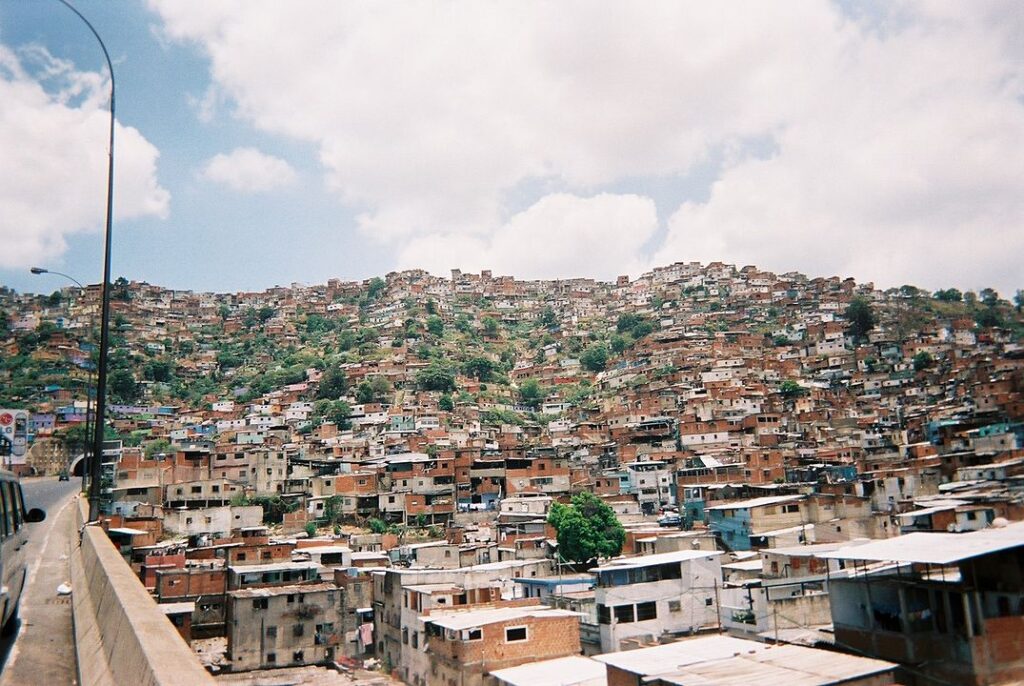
(95, 488)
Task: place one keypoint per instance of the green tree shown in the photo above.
(275, 507)
(989, 297)
(547, 317)
(861, 318)
(339, 413)
(479, 368)
(333, 384)
(375, 287)
(158, 370)
(224, 311)
(595, 357)
(490, 327)
(121, 290)
(530, 393)
(76, 439)
(374, 390)
(266, 313)
(160, 445)
(790, 388)
(1018, 300)
(446, 404)
(436, 377)
(949, 295)
(310, 529)
(922, 360)
(377, 526)
(435, 325)
(988, 317)
(123, 387)
(333, 509)
(587, 529)
(316, 324)
(250, 319)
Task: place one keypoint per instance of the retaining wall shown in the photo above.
(121, 637)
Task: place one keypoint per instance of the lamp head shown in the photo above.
(38, 270)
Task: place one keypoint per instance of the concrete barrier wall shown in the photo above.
(121, 637)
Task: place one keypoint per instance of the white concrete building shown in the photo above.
(640, 599)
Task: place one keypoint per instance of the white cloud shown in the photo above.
(54, 160)
(561, 235)
(896, 136)
(248, 170)
(906, 168)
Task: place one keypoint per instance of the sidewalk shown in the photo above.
(44, 652)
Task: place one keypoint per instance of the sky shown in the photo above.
(265, 143)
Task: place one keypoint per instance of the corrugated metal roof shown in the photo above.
(563, 671)
(727, 661)
(756, 502)
(659, 559)
(934, 548)
(469, 619)
(785, 665)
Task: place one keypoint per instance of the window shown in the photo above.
(271, 632)
(259, 603)
(645, 611)
(792, 508)
(624, 614)
(291, 597)
(674, 606)
(474, 635)
(271, 658)
(515, 633)
(298, 630)
(8, 508)
(709, 601)
(297, 656)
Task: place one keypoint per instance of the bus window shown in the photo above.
(16, 506)
(21, 503)
(8, 515)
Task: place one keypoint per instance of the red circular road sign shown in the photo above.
(6, 418)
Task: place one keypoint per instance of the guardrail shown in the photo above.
(121, 637)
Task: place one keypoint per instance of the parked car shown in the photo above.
(670, 519)
(14, 534)
(63, 475)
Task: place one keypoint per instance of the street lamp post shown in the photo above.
(95, 489)
(88, 400)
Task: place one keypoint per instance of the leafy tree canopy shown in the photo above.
(922, 360)
(530, 393)
(333, 384)
(479, 368)
(587, 529)
(595, 357)
(860, 316)
(437, 377)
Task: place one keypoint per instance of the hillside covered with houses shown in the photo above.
(393, 448)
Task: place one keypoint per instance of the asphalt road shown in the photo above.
(49, 494)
